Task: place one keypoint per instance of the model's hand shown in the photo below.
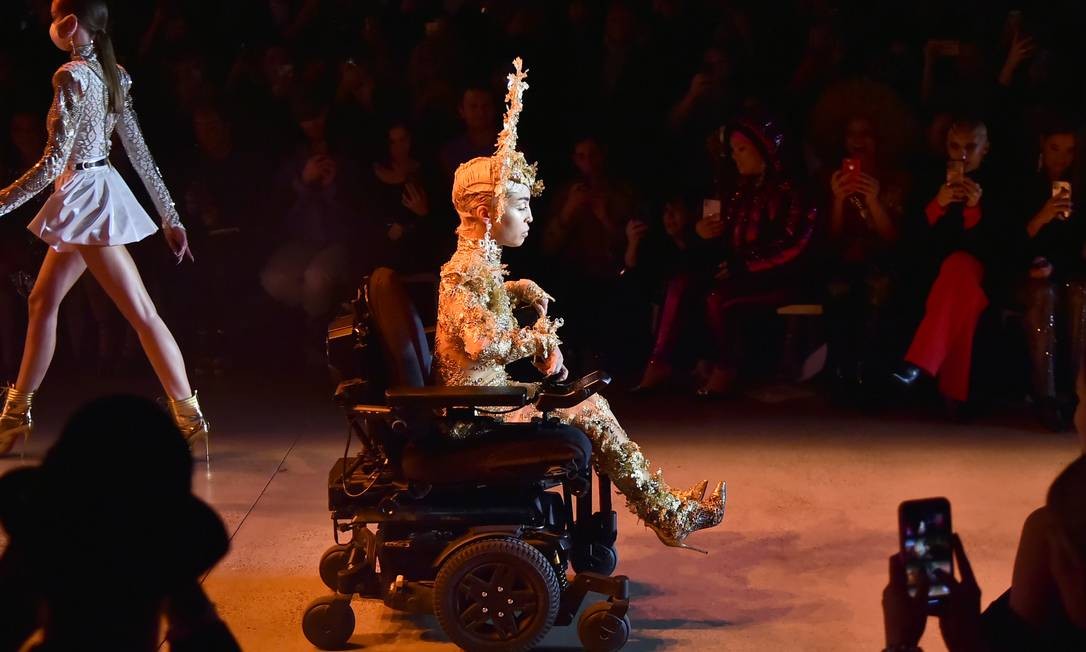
(904, 616)
(178, 240)
(552, 364)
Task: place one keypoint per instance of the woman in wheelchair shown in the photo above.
(477, 335)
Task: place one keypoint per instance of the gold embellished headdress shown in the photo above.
(494, 176)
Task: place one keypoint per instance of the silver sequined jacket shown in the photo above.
(477, 334)
(81, 125)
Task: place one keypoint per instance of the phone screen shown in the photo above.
(955, 170)
(926, 546)
(710, 208)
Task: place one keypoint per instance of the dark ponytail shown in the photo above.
(93, 16)
(110, 71)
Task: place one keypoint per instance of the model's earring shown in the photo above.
(487, 222)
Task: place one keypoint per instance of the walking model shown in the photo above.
(91, 215)
(477, 334)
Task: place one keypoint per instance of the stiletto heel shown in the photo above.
(672, 542)
(695, 493)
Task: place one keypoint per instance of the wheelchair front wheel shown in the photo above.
(328, 622)
(496, 594)
(602, 631)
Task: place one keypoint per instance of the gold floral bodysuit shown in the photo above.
(477, 336)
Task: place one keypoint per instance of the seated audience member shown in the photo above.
(1054, 289)
(584, 242)
(406, 229)
(144, 540)
(866, 207)
(751, 254)
(311, 266)
(968, 238)
(479, 115)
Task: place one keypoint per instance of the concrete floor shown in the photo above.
(799, 563)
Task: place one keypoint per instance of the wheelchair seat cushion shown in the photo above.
(515, 454)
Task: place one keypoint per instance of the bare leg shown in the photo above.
(59, 272)
(116, 272)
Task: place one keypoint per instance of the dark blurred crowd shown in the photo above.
(905, 168)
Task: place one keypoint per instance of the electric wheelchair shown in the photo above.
(447, 510)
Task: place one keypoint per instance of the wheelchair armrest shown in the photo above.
(434, 397)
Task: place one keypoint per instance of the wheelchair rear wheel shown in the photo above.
(496, 594)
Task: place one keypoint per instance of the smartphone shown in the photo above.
(1061, 188)
(710, 208)
(850, 166)
(955, 170)
(925, 533)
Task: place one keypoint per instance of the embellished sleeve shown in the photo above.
(128, 128)
(62, 124)
(525, 292)
(481, 334)
(791, 236)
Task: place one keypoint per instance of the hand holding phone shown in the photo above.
(925, 534)
(1061, 199)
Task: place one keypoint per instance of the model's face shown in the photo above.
(63, 27)
(588, 157)
(477, 110)
(860, 139)
(399, 144)
(512, 230)
(748, 160)
(968, 145)
(1057, 154)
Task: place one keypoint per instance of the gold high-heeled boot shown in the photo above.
(673, 527)
(15, 421)
(190, 420)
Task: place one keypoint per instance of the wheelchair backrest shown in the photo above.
(398, 329)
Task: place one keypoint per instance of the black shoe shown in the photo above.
(907, 375)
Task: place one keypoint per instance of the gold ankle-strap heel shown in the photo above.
(190, 420)
(706, 513)
(15, 420)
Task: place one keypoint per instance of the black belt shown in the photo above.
(86, 165)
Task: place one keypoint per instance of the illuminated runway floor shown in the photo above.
(799, 563)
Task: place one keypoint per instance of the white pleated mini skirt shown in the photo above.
(91, 207)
